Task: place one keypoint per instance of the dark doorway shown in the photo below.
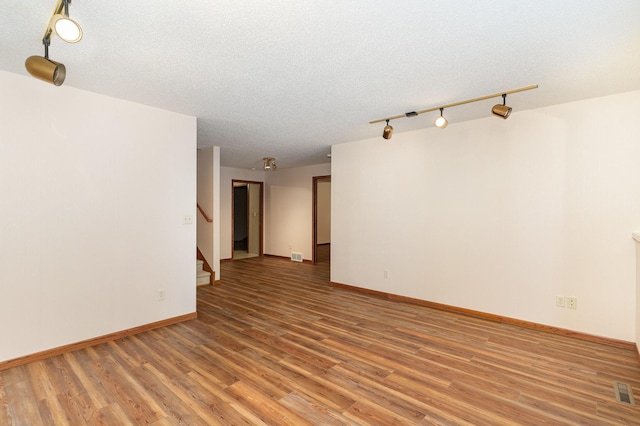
(247, 227)
(240, 218)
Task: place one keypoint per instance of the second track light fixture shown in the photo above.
(67, 29)
(45, 69)
(502, 111)
(441, 122)
(387, 132)
(269, 163)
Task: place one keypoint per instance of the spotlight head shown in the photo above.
(502, 110)
(387, 132)
(441, 122)
(46, 70)
(66, 28)
(269, 163)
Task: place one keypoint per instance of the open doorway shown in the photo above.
(247, 206)
(321, 219)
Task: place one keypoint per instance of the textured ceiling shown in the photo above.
(288, 79)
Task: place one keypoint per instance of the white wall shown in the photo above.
(209, 200)
(253, 208)
(93, 191)
(499, 216)
(216, 212)
(205, 200)
(227, 175)
(289, 210)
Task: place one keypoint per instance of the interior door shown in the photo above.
(321, 219)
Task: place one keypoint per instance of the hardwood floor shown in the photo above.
(275, 344)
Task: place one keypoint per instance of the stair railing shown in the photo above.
(202, 212)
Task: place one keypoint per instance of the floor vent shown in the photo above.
(296, 257)
(623, 393)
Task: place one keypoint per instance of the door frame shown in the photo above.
(261, 212)
(314, 239)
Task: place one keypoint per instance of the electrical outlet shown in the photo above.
(572, 302)
(187, 219)
(560, 301)
(160, 295)
(385, 273)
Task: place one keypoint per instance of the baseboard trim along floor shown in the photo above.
(497, 318)
(4, 365)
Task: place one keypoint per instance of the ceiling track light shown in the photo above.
(441, 122)
(269, 163)
(43, 68)
(67, 29)
(502, 110)
(499, 110)
(387, 132)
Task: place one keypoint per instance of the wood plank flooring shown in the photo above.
(274, 344)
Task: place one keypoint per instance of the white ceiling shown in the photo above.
(288, 79)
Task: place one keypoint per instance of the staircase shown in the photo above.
(202, 277)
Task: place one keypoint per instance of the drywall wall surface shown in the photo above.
(253, 210)
(499, 216)
(205, 200)
(216, 213)
(289, 210)
(93, 194)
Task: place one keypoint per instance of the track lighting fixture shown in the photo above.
(441, 122)
(45, 69)
(387, 132)
(269, 163)
(502, 110)
(67, 29)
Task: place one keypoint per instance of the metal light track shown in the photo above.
(468, 101)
